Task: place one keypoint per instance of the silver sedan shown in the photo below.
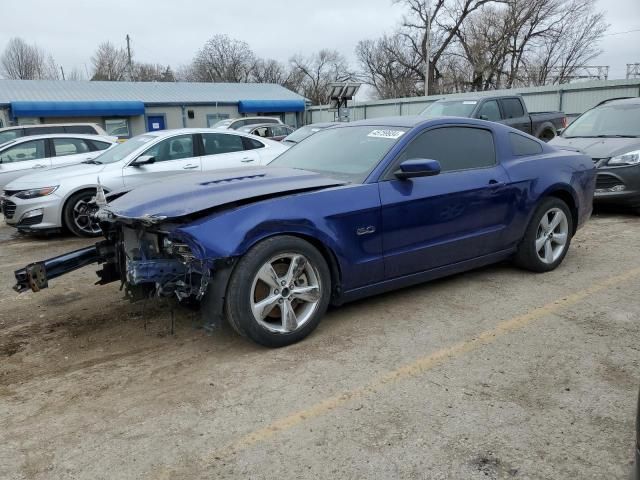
(59, 198)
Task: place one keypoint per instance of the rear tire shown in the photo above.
(73, 218)
(278, 292)
(547, 237)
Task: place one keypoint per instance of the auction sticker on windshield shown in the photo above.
(392, 134)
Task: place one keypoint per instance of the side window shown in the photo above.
(33, 150)
(69, 146)
(42, 130)
(173, 148)
(99, 145)
(8, 135)
(261, 132)
(251, 144)
(117, 127)
(84, 129)
(489, 111)
(521, 145)
(217, 143)
(456, 148)
(238, 124)
(512, 107)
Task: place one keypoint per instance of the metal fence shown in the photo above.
(572, 99)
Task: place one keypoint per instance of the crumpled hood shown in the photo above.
(194, 192)
(598, 147)
(55, 176)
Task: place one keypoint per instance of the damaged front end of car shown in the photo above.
(144, 254)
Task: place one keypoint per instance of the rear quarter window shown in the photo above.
(87, 129)
(522, 146)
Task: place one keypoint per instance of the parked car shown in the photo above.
(352, 211)
(42, 152)
(306, 131)
(610, 134)
(266, 130)
(56, 199)
(11, 133)
(507, 109)
(236, 123)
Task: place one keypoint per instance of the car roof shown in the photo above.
(44, 125)
(322, 124)
(258, 125)
(620, 101)
(414, 121)
(87, 136)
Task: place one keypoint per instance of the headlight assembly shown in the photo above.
(36, 192)
(629, 158)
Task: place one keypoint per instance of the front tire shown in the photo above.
(278, 292)
(547, 238)
(76, 218)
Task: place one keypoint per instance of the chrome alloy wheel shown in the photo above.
(552, 235)
(82, 216)
(285, 293)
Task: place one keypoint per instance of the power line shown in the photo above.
(621, 33)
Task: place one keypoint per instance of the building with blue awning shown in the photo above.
(126, 109)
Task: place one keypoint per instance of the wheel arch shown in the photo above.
(325, 250)
(71, 193)
(565, 194)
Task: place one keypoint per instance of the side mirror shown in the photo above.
(418, 167)
(483, 117)
(143, 160)
(559, 131)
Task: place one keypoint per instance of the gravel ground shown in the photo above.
(496, 373)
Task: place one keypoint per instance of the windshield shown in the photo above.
(607, 121)
(9, 135)
(222, 123)
(348, 153)
(121, 150)
(302, 133)
(450, 108)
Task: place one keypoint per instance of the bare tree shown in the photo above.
(110, 63)
(21, 61)
(269, 71)
(390, 66)
(570, 44)
(317, 71)
(222, 59)
(445, 18)
(148, 72)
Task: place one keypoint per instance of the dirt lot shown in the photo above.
(496, 373)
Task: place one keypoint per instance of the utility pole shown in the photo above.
(62, 71)
(427, 53)
(129, 57)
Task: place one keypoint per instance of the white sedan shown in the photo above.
(58, 198)
(24, 155)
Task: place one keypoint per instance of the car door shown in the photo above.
(177, 153)
(457, 215)
(489, 110)
(68, 151)
(22, 158)
(514, 114)
(226, 150)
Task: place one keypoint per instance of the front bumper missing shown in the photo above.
(36, 276)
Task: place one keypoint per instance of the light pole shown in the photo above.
(427, 52)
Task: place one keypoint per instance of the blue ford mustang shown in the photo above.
(351, 211)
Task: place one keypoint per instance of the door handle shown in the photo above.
(39, 166)
(496, 184)
(247, 160)
(190, 167)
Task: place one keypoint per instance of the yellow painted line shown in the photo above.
(415, 368)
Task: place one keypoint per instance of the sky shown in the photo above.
(171, 31)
